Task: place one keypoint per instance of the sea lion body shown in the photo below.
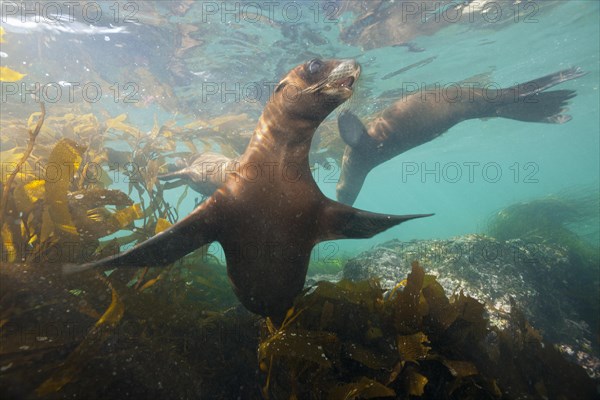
(204, 173)
(259, 245)
(270, 213)
(421, 117)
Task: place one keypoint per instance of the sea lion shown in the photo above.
(203, 172)
(270, 213)
(423, 116)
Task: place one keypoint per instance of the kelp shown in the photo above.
(58, 343)
(364, 388)
(64, 160)
(43, 321)
(7, 74)
(6, 185)
(100, 332)
(57, 191)
(339, 341)
(10, 75)
(416, 343)
(76, 197)
(51, 212)
(118, 124)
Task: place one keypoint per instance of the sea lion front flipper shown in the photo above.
(353, 131)
(185, 236)
(169, 176)
(360, 145)
(340, 221)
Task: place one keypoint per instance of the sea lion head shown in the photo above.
(312, 90)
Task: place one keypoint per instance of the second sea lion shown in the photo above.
(204, 173)
(421, 117)
(270, 213)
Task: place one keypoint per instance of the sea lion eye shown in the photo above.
(314, 65)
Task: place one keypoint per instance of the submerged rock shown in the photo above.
(539, 277)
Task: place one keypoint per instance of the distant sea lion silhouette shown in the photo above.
(204, 173)
(423, 116)
(270, 213)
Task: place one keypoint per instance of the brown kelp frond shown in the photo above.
(88, 348)
(9, 181)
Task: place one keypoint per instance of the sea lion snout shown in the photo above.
(333, 77)
(342, 77)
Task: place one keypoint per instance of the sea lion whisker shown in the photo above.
(316, 86)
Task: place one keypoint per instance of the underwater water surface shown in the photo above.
(131, 89)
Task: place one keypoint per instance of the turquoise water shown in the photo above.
(533, 160)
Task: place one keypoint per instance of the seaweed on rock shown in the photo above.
(568, 220)
(348, 340)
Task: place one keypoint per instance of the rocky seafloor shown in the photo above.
(539, 277)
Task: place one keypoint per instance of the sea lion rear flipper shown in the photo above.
(353, 131)
(530, 102)
(344, 222)
(545, 107)
(185, 236)
(540, 84)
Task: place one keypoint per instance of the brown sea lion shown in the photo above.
(422, 116)
(270, 213)
(204, 173)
